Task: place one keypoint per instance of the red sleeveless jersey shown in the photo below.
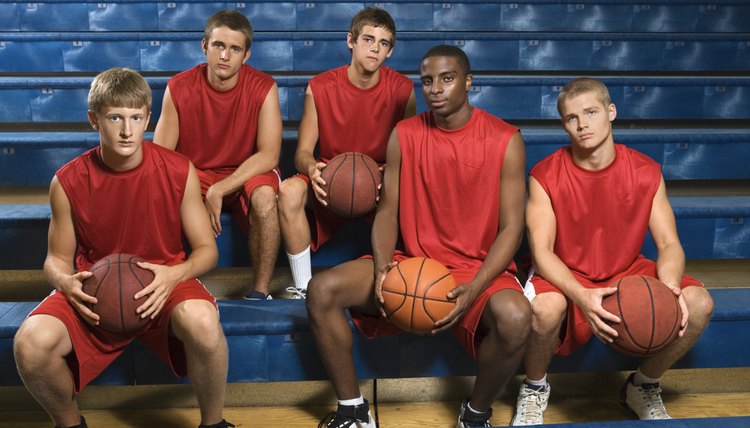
(135, 212)
(218, 129)
(449, 194)
(602, 216)
(351, 119)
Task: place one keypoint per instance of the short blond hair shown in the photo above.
(583, 85)
(119, 87)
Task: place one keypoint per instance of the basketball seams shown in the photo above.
(354, 180)
(426, 299)
(416, 291)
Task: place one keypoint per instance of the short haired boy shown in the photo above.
(350, 108)
(589, 207)
(224, 116)
(472, 224)
(103, 202)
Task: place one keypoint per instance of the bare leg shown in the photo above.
(700, 306)
(263, 239)
(548, 313)
(295, 229)
(349, 285)
(196, 324)
(40, 347)
(507, 317)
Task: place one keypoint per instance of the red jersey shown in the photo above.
(218, 129)
(135, 212)
(351, 119)
(602, 216)
(449, 194)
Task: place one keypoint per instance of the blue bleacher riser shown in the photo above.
(410, 15)
(32, 158)
(723, 422)
(709, 228)
(275, 335)
(317, 51)
(63, 99)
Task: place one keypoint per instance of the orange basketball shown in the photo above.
(352, 181)
(415, 294)
(649, 314)
(115, 280)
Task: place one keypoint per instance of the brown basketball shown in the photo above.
(649, 312)
(352, 181)
(415, 294)
(115, 280)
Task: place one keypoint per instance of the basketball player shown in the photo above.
(125, 196)
(352, 108)
(589, 206)
(454, 189)
(224, 115)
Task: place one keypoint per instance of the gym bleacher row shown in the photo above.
(678, 71)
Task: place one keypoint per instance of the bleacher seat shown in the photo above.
(63, 99)
(275, 335)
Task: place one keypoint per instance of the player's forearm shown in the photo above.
(384, 236)
(670, 264)
(57, 271)
(304, 161)
(499, 256)
(552, 269)
(259, 163)
(201, 260)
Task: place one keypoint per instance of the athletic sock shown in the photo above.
(353, 402)
(301, 269)
(641, 378)
(537, 384)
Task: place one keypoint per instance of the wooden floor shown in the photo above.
(401, 415)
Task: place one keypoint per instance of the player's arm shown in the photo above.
(670, 262)
(265, 158)
(167, 131)
(304, 156)
(385, 227)
(202, 258)
(510, 232)
(61, 247)
(542, 230)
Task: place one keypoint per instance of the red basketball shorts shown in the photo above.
(324, 223)
(95, 349)
(468, 331)
(576, 330)
(238, 202)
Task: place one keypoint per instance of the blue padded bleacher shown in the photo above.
(275, 335)
(316, 51)
(63, 99)
(710, 227)
(410, 15)
(723, 422)
(685, 154)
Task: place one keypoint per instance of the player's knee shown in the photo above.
(263, 201)
(322, 292)
(33, 346)
(700, 305)
(198, 324)
(291, 196)
(512, 318)
(548, 311)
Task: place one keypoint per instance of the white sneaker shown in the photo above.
(349, 417)
(531, 405)
(644, 400)
(297, 293)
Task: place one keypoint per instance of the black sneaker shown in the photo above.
(80, 425)
(349, 416)
(257, 295)
(468, 418)
(222, 424)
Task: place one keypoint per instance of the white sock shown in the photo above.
(301, 268)
(641, 378)
(540, 382)
(353, 402)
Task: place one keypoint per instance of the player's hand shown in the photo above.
(464, 296)
(72, 289)
(316, 180)
(213, 204)
(165, 280)
(380, 275)
(683, 307)
(590, 302)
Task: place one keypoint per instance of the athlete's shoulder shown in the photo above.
(189, 75)
(329, 77)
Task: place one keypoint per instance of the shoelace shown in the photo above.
(334, 420)
(297, 293)
(531, 407)
(652, 398)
